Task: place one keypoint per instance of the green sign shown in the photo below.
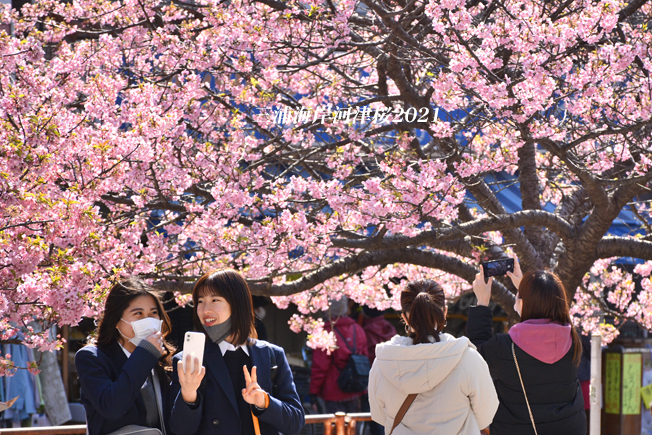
(632, 367)
(612, 383)
(646, 394)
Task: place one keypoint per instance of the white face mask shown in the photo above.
(143, 328)
(517, 307)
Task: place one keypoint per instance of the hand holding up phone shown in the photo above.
(190, 380)
(190, 369)
(517, 275)
(482, 289)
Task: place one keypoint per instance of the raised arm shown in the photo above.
(479, 325)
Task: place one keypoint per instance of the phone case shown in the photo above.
(193, 344)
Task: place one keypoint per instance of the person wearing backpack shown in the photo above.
(430, 382)
(327, 369)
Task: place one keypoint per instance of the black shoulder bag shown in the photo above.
(354, 377)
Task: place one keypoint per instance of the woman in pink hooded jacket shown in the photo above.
(547, 394)
(326, 367)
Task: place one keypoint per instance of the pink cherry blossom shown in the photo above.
(137, 140)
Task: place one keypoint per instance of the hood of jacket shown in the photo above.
(542, 339)
(415, 368)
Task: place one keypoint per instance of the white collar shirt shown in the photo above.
(226, 346)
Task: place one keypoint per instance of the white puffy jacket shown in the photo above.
(456, 394)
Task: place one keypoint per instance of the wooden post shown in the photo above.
(350, 425)
(622, 379)
(328, 420)
(340, 424)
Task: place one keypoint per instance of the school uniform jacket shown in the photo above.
(216, 410)
(110, 385)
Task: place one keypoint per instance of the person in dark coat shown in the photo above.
(238, 386)
(259, 315)
(122, 376)
(548, 351)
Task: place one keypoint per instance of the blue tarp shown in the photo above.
(626, 224)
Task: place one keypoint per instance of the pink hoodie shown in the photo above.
(543, 339)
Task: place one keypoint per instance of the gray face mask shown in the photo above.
(217, 333)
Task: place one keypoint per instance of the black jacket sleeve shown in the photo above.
(479, 326)
(479, 329)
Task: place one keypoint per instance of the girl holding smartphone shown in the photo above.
(123, 382)
(246, 385)
(535, 365)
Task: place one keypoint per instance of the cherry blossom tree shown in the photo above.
(321, 147)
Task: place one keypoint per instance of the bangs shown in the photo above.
(207, 290)
(230, 285)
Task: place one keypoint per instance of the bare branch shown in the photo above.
(624, 247)
(473, 228)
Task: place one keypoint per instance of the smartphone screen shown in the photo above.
(498, 267)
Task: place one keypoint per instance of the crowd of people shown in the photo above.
(429, 382)
(424, 382)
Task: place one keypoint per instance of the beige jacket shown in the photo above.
(456, 394)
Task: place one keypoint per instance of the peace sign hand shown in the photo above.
(253, 394)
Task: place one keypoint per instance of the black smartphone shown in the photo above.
(497, 267)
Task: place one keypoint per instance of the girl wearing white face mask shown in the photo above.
(123, 381)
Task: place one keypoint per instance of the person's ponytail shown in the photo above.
(423, 302)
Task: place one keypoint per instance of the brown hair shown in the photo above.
(232, 286)
(423, 302)
(120, 296)
(544, 297)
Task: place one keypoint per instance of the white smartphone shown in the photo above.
(193, 345)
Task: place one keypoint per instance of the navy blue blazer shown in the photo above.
(217, 411)
(110, 386)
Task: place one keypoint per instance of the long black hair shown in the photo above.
(120, 296)
(544, 297)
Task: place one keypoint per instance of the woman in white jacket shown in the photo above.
(455, 392)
